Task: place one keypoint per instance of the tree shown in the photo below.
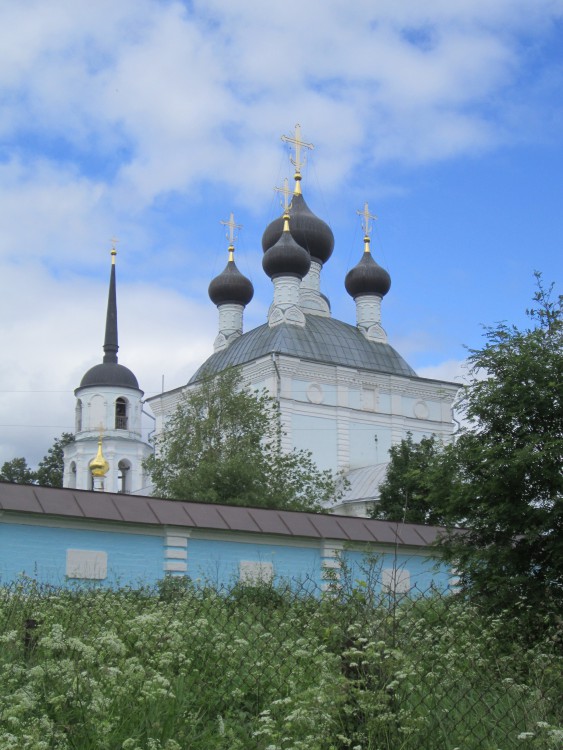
(223, 445)
(49, 471)
(416, 487)
(17, 471)
(502, 479)
(51, 467)
(508, 488)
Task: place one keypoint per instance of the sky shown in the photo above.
(151, 120)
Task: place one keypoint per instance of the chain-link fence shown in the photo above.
(270, 667)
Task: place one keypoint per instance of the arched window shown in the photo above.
(78, 415)
(123, 477)
(72, 476)
(121, 413)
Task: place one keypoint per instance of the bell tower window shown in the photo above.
(78, 415)
(121, 414)
(123, 476)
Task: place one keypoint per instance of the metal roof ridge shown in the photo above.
(76, 500)
(116, 506)
(33, 487)
(279, 514)
(148, 505)
(222, 517)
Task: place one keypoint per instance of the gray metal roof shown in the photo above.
(105, 506)
(324, 340)
(364, 483)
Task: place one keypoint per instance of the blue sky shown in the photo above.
(152, 121)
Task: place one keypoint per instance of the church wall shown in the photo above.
(66, 552)
(348, 418)
(220, 562)
(407, 569)
(98, 409)
(115, 449)
(317, 434)
(314, 392)
(369, 443)
(40, 552)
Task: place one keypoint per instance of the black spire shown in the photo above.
(110, 341)
(110, 373)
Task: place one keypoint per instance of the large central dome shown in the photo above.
(307, 230)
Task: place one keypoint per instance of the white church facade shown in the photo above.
(344, 392)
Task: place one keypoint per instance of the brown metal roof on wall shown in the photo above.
(105, 506)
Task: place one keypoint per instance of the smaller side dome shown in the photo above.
(367, 277)
(231, 286)
(286, 257)
(98, 465)
(308, 230)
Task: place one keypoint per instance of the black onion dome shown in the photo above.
(111, 374)
(308, 230)
(286, 258)
(230, 286)
(367, 277)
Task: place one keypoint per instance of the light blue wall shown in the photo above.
(317, 435)
(299, 391)
(434, 408)
(384, 403)
(424, 572)
(364, 449)
(40, 552)
(217, 562)
(138, 559)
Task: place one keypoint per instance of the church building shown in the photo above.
(344, 392)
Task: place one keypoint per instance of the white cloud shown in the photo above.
(186, 95)
(453, 370)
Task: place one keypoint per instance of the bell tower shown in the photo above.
(108, 401)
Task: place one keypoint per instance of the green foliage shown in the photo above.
(224, 445)
(263, 669)
(51, 467)
(49, 472)
(502, 479)
(418, 482)
(509, 485)
(17, 471)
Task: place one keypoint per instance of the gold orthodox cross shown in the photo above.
(299, 143)
(231, 234)
(366, 216)
(232, 226)
(114, 242)
(286, 192)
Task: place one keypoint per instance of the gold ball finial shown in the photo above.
(98, 465)
(113, 252)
